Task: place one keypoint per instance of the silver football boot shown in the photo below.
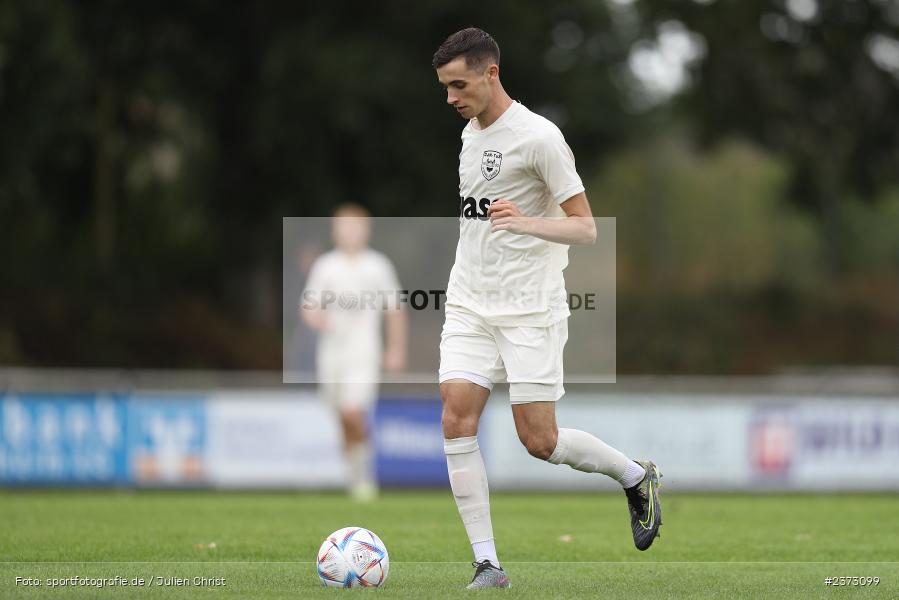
(488, 576)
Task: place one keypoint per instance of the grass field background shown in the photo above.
(560, 545)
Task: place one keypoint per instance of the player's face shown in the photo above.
(467, 89)
(351, 233)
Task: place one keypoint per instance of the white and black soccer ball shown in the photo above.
(353, 557)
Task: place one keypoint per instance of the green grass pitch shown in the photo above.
(559, 545)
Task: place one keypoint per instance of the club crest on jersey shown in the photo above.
(490, 164)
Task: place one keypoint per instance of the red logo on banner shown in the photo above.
(772, 445)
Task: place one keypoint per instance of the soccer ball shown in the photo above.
(353, 557)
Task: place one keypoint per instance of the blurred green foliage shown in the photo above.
(717, 268)
(148, 152)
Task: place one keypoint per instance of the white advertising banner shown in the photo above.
(272, 439)
(698, 443)
(715, 441)
(825, 443)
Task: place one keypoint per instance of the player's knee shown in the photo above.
(539, 445)
(457, 425)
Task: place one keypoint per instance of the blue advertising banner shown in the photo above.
(409, 442)
(100, 439)
(167, 439)
(62, 439)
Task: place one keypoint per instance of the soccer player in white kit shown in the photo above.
(348, 291)
(522, 203)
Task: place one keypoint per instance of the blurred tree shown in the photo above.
(149, 151)
(817, 80)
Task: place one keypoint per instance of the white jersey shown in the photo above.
(510, 279)
(353, 290)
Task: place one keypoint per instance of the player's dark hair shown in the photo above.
(474, 44)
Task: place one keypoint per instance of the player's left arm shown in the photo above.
(396, 328)
(577, 227)
(396, 323)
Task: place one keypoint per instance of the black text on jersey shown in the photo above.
(471, 208)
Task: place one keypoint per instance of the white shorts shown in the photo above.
(348, 384)
(529, 358)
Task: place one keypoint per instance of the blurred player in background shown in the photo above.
(348, 291)
(522, 202)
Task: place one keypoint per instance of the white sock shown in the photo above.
(633, 474)
(485, 551)
(584, 452)
(361, 465)
(468, 480)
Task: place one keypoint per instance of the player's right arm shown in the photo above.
(577, 227)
